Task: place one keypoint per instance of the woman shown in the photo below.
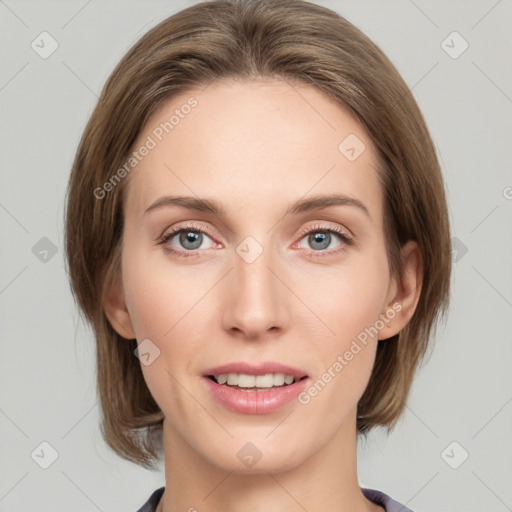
(257, 232)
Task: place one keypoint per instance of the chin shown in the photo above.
(246, 457)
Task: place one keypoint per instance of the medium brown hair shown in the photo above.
(292, 40)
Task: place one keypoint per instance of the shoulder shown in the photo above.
(387, 502)
(152, 503)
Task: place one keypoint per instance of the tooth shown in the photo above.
(232, 379)
(246, 381)
(278, 379)
(265, 381)
(242, 380)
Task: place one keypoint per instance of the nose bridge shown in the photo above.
(256, 301)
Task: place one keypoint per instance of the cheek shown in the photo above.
(161, 314)
(169, 309)
(344, 359)
(160, 297)
(348, 299)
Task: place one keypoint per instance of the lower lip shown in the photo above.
(255, 402)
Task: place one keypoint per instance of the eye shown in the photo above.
(185, 241)
(188, 238)
(320, 238)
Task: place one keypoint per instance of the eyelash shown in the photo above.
(346, 239)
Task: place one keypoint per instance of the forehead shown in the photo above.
(247, 142)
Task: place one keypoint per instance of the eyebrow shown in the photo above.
(314, 203)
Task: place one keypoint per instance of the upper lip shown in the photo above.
(256, 369)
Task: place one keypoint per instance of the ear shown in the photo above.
(117, 312)
(403, 296)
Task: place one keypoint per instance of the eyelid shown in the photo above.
(326, 226)
(190, 225)
(319, 225)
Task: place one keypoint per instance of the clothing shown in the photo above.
(377, 497)
(388, 503)
(152, 503)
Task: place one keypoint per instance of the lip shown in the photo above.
(255, 402)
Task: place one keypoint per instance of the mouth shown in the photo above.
(254, 389)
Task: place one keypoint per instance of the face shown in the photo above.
(260, 279)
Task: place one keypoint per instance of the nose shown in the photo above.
(255, 301)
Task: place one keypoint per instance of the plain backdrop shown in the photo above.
(452, 449)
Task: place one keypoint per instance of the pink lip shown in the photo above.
(255, 402)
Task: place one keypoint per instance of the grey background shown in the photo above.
(462, 394)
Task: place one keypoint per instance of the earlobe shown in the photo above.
(406, 293)
(117, 312)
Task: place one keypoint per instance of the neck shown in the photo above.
(327, 480)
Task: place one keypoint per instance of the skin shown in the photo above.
(257, 147)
